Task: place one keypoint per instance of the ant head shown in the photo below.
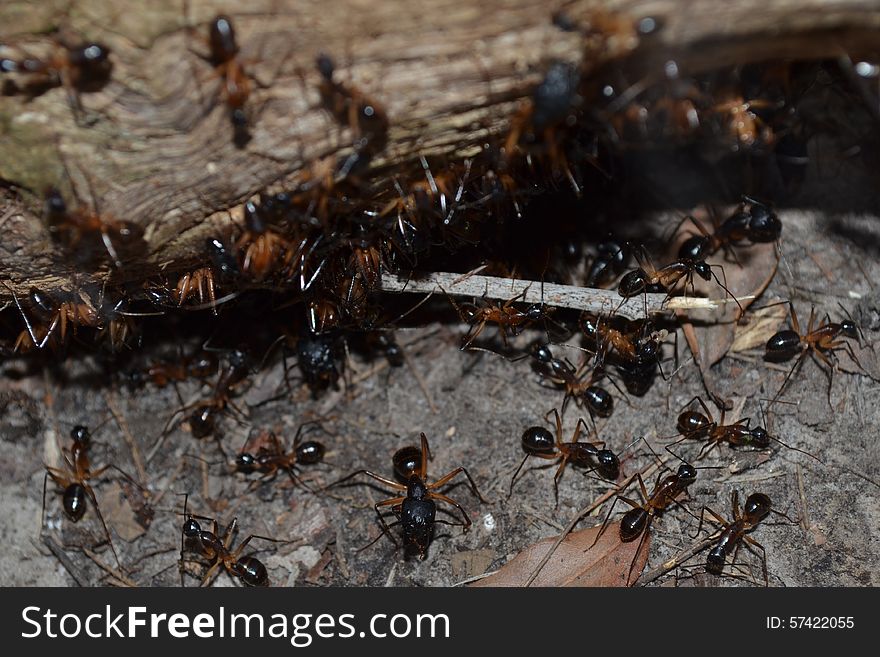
(535, 312)
(222, 37)
(253, 219)
(93, 59)
(245, 462)
(760, 437)
(201, 422)
(309, 452)
(55, 205)
(223, 260)
(80, 434)
(238, 118)
(41, 301)
(703, 270)
(609, 464)
(191, 529)
(757, 506)
(849, 329)
(687, 473)
(326, 67)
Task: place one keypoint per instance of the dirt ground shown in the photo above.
(473, 407)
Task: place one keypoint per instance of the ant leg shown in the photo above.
(389, 502)
(91, 494)
(749, 541)
(557, 477)
(717, 517)
(788, 376)
(449, 500)
(388, 482)
(381, 534)
(443, 480)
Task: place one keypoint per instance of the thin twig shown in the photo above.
(677, 560)
(55, 549)
(551, 294)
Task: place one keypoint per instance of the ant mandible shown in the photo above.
(416, 510)
(537, 441)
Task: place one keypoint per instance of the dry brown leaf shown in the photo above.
(118, 513)
(759, 327)
(608, 563)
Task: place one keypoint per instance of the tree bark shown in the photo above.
(450, 74)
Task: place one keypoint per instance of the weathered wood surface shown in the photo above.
(450, 73)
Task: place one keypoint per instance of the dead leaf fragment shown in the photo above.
(760, 325)
(610, 562)
(118, 513)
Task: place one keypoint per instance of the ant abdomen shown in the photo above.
(310, 452)
(691, 423)
(538, 440)
(251, 571)
(757, 507)
(407, 461)
(599, 400)
(715, 560)
(784, 344)
(632, 283)
(695, 247)
(75, 501)
(633, 524)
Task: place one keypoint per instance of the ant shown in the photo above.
(385, 342)
(235, 83)
(204, 280)
(72, 227)
(693, 425)
(416, 510)
(637, 521)
(161, 373)
(365, 118)
(733, 534)
(77, 68)
(74, 480)
(264, 250)
(563, 373)
(268, 461)
(510, 320)
(611, 259)
(537, 441)
(55, 315)
(217, 549)
(640, 280)
(636, 343)
(320, 358)
(754, 221)
(820, 342)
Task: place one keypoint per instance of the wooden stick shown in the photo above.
(552, 294)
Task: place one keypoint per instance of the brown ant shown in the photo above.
(74, 480)
(733, 534)
(55, 316)
(73, 227)
(365, 118)
(268, 461)
(416, 510)
(203, 281)
(820, 343)
(263, 250)
(537, 441)
(640, 280)
(753, 221)
(693, 425)
(161, 373)
(77, 68)
(217, 549)
(637, 521)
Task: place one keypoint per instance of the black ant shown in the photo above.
(320, 358)
(77, 68)
(416, 510)
(74, 480)
(217, 549)
(385, 342)
(820, 342)
(754, 221)
(268, 461)
(693, 425)
(537, 441)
